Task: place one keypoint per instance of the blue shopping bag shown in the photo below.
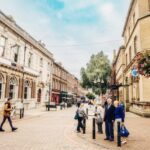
(124, 132)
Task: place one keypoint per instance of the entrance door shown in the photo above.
(39, 95)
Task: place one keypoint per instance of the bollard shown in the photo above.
(87, 112)
(94, 129)
(22, 112)
(84, 125)
(118, 135)
(60, 107)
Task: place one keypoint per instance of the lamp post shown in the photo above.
(100, 82)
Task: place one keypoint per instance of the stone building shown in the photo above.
(25, 65)
(136, 34)
(59, 84)
(28, 72)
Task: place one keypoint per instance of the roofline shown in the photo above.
(24, 35)
(128, 14)
(121, 48)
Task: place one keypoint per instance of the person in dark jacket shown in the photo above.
(119, 112)
(6, 115)
(109, 119)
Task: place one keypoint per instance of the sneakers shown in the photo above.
(14, 129)
(1, 130)
(123, 142)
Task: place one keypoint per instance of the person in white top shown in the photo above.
(99, 118)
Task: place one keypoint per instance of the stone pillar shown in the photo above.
(20, 95)
(7, 87)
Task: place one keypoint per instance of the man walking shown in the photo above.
(6, 115)
(109, 120)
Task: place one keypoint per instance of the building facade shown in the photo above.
(59, 82)
(136, 34)
(28, 72)
(25, 65)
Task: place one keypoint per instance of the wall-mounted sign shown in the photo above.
(134, 72)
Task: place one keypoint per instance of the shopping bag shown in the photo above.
(123, 131)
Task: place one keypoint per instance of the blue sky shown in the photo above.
(72, 29)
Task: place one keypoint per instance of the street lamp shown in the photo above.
(99, 81)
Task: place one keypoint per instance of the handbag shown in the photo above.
(123, 131)
(76, 116)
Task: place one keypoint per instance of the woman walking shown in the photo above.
(80, 113)
(6, 115)
(99, 118)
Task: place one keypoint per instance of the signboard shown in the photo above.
(134, 72)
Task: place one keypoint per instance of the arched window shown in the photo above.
(12, 87)
(135, 45)
(27, 89)
(1, 86)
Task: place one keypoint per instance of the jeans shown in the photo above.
(109, 127)
(9, 120)
(99, 126)
(80, 124)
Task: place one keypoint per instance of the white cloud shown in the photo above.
(42, 27)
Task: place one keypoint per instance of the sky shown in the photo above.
(72, 30)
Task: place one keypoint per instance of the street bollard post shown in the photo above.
(20, 114)
(87, 112)
(118, 135)
(84, 125)
(94, 129)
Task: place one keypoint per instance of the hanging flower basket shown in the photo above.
(143, 63)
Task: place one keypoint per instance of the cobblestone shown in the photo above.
(55, 130)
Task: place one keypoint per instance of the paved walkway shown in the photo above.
(55, 130)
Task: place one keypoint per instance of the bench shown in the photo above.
(51, 105)
(62, 105)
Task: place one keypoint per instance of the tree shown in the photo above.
(90, 96)
(97, 68)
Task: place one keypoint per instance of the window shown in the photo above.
(48, 66)
(133, 19)
(126, 59)
(2, 45)
(15, 51)
(1, 86)
(48, 77)
(30, 59)
(129, 31)
(41, 62)
(40, 75)
(26, 89)
(130, 54)
(135, 45)
(12, 87)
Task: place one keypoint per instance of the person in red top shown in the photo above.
(6, 115)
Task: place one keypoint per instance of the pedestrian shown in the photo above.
(6, 115)
(81, 116)
(120, 116)
(109, 120)
(99, 118)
